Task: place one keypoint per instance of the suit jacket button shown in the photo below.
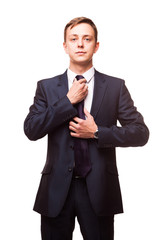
(70, 169)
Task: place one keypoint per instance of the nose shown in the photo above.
(80, 42)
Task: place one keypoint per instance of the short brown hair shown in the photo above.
(79, 20)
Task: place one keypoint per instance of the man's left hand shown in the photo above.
(83, 128)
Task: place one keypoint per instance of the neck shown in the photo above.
(80, 68)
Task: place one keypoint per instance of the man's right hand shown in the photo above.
(78, 91)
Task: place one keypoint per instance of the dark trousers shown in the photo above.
(77, 205)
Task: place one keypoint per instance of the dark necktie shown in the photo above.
(82, 161)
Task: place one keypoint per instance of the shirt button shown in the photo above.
(70, 169)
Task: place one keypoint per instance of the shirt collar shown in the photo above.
(88, 75)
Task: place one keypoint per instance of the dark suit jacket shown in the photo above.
(50, 114)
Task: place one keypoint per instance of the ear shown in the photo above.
(65, 47)
(96, 47)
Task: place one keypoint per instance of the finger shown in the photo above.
(83, 80)
(80, 81)
(73, 134)
(87, 113)
(72, 124)
(77, 119)
(72, 129)
(86, 87)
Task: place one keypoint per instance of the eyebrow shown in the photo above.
(75, 35)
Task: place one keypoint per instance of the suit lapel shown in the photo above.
(100, 86)
(62, 84)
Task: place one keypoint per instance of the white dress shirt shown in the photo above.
(89, 76)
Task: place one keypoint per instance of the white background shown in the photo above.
(31, 37)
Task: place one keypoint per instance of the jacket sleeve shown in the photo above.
(44, 117)
(133, 131)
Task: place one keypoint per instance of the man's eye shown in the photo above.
(73, 39)
(87, 39)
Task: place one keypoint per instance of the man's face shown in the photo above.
(80, 44)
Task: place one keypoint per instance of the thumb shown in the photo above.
(86, 113)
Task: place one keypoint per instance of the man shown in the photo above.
(78, 110)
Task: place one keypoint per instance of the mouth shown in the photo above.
(80, 53)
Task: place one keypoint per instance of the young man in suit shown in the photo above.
(78, 110)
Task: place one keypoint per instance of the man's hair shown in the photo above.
(79, 20)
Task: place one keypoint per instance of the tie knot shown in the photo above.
(78, 77)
